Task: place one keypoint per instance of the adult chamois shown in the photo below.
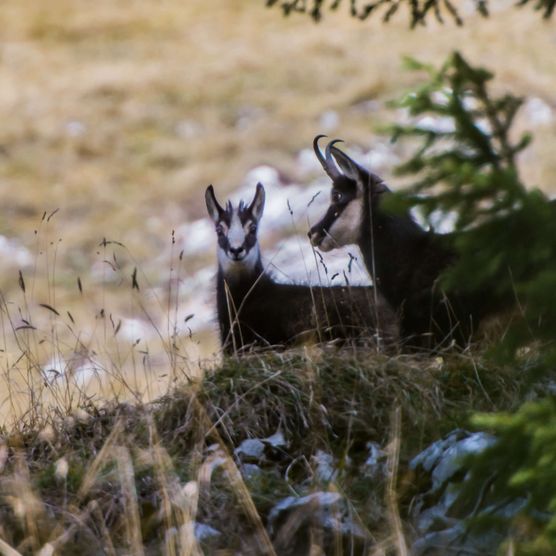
(404, 260)
(254, 310)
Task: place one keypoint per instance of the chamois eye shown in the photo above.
(337, 197)
(253, 229)
(219, 230)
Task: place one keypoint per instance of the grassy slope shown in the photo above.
(91, 98)
(119, 114)
(131, 72)
(125, 476)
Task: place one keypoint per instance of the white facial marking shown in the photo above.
(236, 233)
(246, 261)
(232, 268)
(346, 228)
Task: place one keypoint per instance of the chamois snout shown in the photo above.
(319, 234)
(237, 253)
(315, 235)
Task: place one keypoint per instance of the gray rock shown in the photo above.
(325, 470)
(250, 471)
(318, 499)
(250, 450)
(292, 521)
(444, 457)
(375, 465)
(205, 532)
(277, 440)
(442, 524)
(259, 450)
(451, 460)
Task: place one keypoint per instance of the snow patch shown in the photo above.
(136, 329)
(538, 112)
(294, 260)
(12, 252)
(329, 120)
(195, 237)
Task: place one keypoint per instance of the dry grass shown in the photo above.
(118, 114)
(59, 354)
(138, 476)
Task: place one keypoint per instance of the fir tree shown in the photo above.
(505, 234)
(419, 10)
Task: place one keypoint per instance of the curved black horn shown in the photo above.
(348, 167)
(317, 150)
(327, 163)
(328, 154)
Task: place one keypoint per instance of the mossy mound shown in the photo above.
(142, 475)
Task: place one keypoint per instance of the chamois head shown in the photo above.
(236, 228)
(353, 188)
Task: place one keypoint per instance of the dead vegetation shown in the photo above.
(119, 115)
(138, 477)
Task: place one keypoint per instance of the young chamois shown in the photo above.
(254, 310)
(404, 260)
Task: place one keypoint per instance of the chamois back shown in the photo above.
(254, 310)
(404, 261)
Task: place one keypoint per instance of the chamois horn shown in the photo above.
(326, 161)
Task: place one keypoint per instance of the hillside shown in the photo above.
(123, 430)
(209, 466)
(115, 117)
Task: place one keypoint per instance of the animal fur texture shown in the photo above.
(254, 310)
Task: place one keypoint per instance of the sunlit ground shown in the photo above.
(118, 115)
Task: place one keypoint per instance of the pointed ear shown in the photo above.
(349, 167)
(360, 175)
(257, 204)
(214, 209)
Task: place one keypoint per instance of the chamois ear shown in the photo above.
(214, 209)
(360, 175)
(257, 204)
(349, 167)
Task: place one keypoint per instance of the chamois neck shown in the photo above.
(390, 244)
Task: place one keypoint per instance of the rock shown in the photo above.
(277, 440)
(276, 446)
(441, 514)
(325, 470)
(205, 532)
(444, 457)
(293, 521)
(260, 450)
(250, 450)
(375, 465)
(250, 471)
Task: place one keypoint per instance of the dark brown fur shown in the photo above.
(254, 310)
(404, 261)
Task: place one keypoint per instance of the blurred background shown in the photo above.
(116, 115)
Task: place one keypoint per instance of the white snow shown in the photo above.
(133, 329)
(13, 253)
(329, 120)
(538, 112)
(194, 237)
